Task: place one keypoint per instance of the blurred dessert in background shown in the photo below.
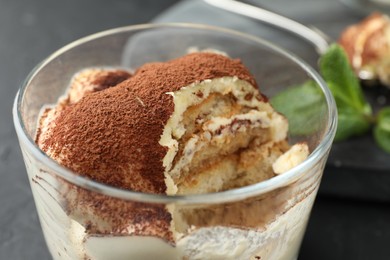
(367, 45)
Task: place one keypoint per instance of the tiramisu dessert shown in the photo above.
(367, 45)
(193, 125)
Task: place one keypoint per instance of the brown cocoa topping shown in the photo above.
(109, 79)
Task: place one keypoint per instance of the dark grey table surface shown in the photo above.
(340, 228)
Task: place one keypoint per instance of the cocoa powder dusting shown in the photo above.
(112, 136)
(109, 79)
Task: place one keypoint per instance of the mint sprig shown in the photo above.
(355, 113)
(300, 103)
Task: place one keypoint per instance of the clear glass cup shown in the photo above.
(83, 219)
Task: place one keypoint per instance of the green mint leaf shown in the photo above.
(350, 124)
(350, 121)
(382, 129)
(344, 84)
(354, 111)
(301, 105)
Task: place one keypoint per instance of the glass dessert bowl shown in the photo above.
(248, 216)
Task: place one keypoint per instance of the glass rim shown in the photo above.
(208, 198)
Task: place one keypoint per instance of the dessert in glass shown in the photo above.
(159, 142)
